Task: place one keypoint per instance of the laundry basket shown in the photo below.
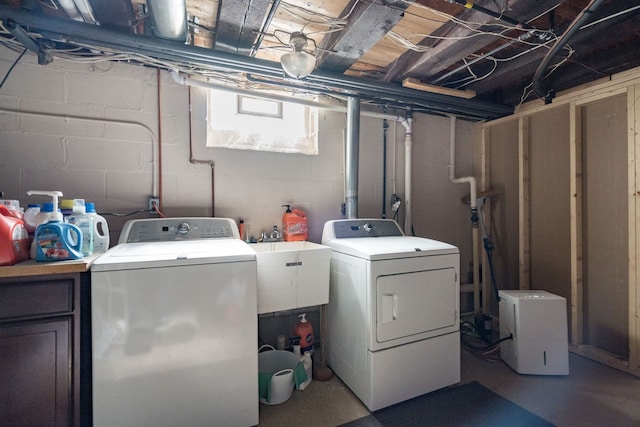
(278, 372)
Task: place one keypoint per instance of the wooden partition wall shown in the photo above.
(564, 211)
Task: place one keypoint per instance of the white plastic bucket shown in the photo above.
(276, 368)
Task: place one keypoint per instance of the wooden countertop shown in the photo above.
(35, 268)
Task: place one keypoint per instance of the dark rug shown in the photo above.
(470, 404)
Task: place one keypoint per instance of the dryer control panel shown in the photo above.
(174, 229)
(353, 228)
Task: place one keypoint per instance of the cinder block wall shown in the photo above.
(98, 131)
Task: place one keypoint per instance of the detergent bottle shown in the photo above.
(66, 207)
(308, 368)
(14, 208)
(14, 239)
(294, 224)
(56, 240)
(84, 222)
(100, 230)
(304, 330)
(30, 217)
(54, 213)
(41, 218)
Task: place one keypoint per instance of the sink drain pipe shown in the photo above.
(408, 141)
(474, 213)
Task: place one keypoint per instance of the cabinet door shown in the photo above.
(35, 376)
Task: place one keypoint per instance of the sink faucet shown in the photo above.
(273, 236)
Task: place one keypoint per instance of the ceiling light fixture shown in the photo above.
(298, 63)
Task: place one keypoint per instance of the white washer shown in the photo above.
(174, 326)
(393, 313)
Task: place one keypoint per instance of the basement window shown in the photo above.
(260, 124)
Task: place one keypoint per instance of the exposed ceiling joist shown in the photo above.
(477, 46)
(368, 23)
(378, 93)
(239, 23)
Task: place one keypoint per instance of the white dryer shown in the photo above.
(393, 313)
(174, 326)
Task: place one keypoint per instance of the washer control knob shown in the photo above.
(183, 228)
(368, 227)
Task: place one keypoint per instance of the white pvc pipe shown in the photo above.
(474, 208)
(407, 174)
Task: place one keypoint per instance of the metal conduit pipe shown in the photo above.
(265, 27)
(538, 88)
(474, 212)
(183, 79)
(69, 117)
(352, 150)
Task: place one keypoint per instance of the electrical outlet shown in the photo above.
(154, 204)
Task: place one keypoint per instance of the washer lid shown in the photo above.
(157, 254)
(380, 248)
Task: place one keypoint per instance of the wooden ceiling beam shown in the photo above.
(238, 24)
(588, 43)
(367, 24)
(446, 53)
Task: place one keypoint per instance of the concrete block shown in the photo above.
(101, 154)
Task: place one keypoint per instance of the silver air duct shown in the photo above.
(169, 19)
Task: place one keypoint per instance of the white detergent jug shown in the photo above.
(100, 229)
(84, 222)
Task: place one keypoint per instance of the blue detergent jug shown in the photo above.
(58, 241)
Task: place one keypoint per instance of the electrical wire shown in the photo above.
(6, 76)
(479, 345)
(126, 214)
(154, 210)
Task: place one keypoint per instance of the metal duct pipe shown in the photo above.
(86, 11)
(169, 19)
(380, 92)
(71, 10)
(351, 156)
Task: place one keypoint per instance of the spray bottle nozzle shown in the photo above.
(288, 208)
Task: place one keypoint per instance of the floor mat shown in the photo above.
(470, 404)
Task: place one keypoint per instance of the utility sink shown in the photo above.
(292, 275)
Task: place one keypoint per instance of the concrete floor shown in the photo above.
(591, 395)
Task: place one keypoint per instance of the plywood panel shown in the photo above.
(504, 203)
(605, 225)
(550, 220)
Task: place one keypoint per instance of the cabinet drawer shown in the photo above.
(36, 298)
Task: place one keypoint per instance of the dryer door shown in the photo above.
(416, 305)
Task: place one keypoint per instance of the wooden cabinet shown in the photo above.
(45, 350)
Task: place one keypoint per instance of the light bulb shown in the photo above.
(298, 64)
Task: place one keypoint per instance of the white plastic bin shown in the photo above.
(276, 378)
